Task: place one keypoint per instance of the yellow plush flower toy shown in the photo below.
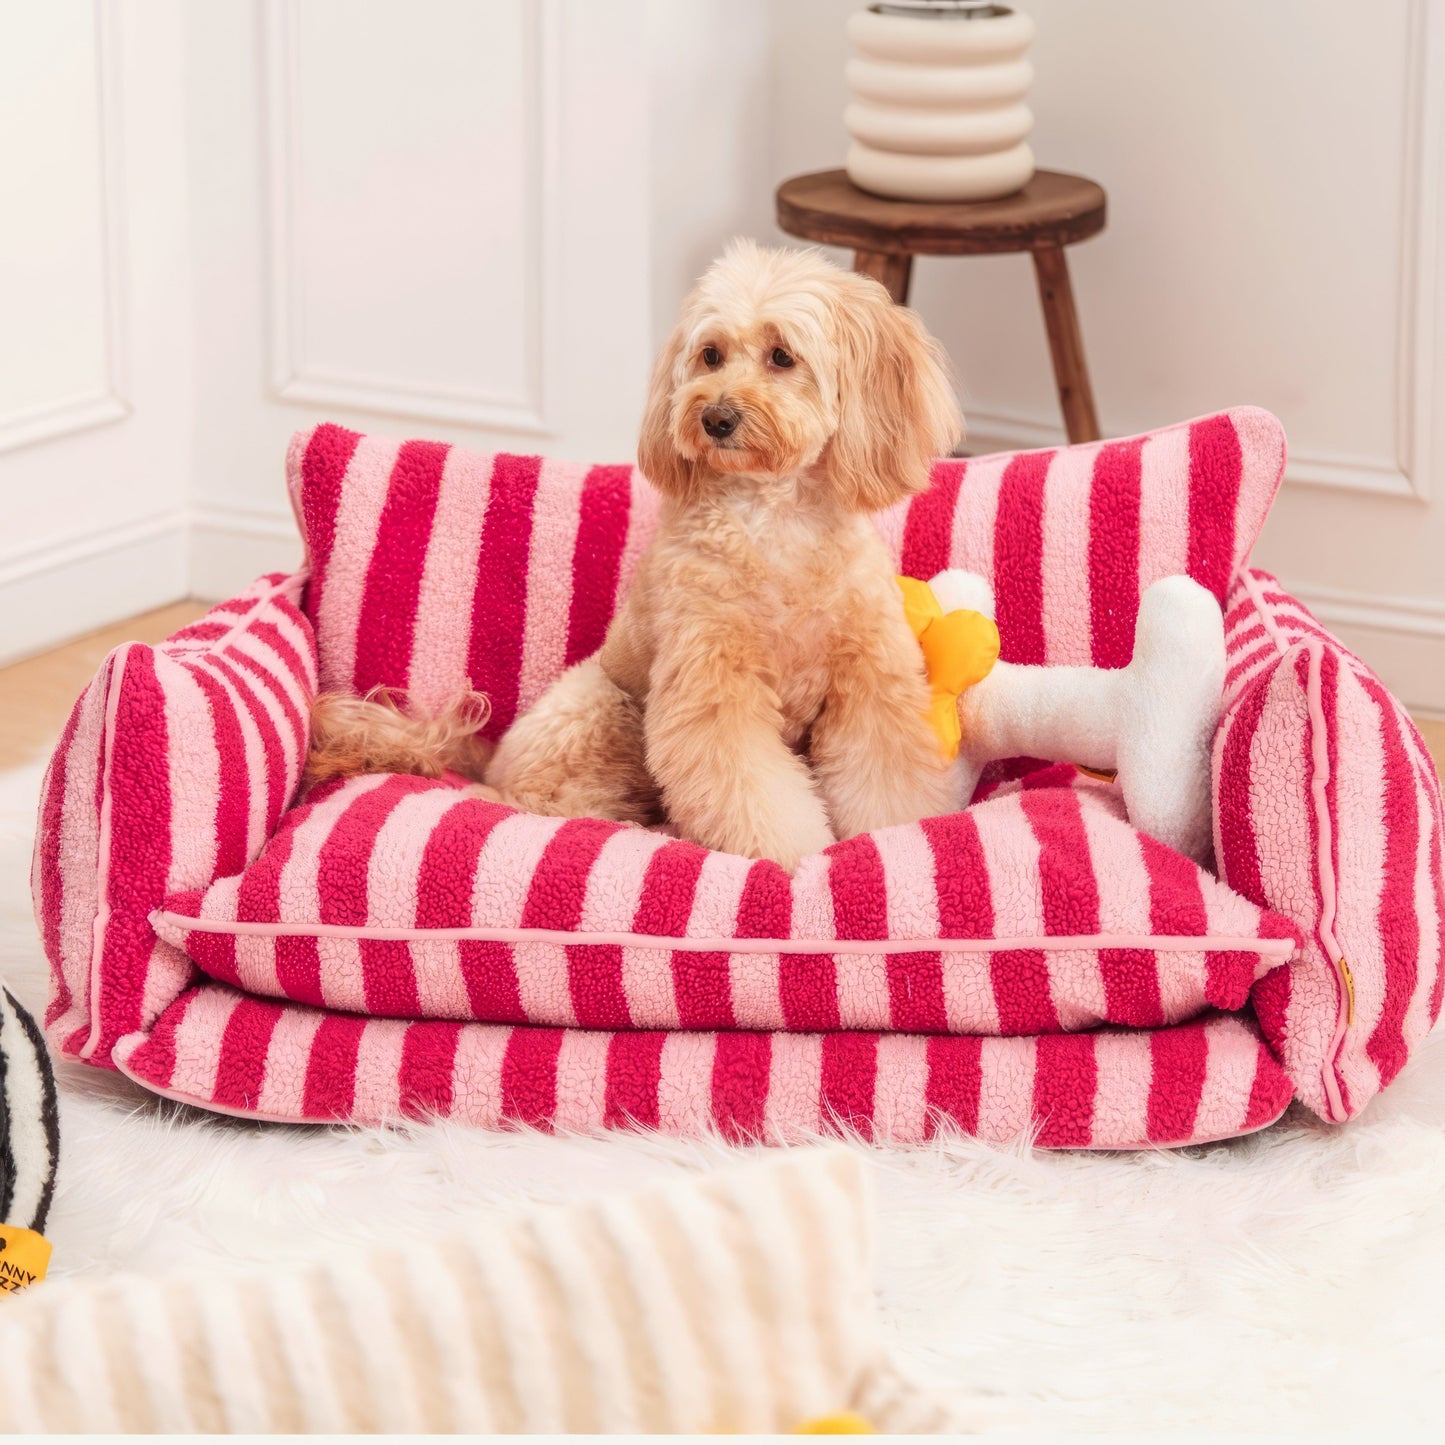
(959, 649)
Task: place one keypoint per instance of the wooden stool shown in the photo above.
(1053, 211)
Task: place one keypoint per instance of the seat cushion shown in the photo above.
(1210, 1078)
(435, 568)
(1327, 808)
(1040, 910)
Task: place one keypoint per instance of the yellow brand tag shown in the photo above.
(24, 1258)
(1349, 981)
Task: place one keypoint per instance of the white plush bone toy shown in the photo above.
(1151, 722)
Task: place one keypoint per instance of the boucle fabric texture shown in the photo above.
(1212, 1078)
(407, 590)
(576, 975)
(738, 1302)
(1039, 911)
(173, 770)
(1328, 808)
(29, 1120)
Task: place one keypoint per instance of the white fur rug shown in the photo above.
(1291, 1281)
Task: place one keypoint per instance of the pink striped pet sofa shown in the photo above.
(388, 947)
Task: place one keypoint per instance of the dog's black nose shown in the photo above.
(720, 421)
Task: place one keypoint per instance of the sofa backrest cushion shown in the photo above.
(435, 568)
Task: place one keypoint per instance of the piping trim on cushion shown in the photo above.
(1324, 854)
(1266, 617)
(1319, 783)
(102, 902)
(291, 582)
(1282, 948)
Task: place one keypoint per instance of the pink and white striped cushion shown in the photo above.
(1109, 1089)
(175, 767)
(434, 567)
(1039, 911)
(1328, 809)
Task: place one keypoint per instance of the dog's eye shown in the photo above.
(781, 358)
(712, 356)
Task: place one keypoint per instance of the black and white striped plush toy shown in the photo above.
(29, 1119)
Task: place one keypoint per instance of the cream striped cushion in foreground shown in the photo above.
(740, 1300)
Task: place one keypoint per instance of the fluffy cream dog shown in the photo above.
(760, 688)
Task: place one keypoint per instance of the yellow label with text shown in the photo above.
(24, 1258)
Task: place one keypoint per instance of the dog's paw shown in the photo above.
(787, 841)
(784, 837)
(790, 853)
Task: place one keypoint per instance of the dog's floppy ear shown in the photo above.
(896, 407)
(662, 464)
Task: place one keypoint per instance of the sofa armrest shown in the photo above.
(173, 770)
(1327, 809)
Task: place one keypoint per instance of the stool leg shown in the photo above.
(892, 270)
(1066, 344)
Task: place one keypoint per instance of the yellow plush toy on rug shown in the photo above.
(959, 649)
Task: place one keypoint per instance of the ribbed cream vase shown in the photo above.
(938, 110)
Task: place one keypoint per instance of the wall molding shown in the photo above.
(92, 409)
(1407, 474)
(18, 563)
(993, 428)
(296, 379)
(229, 547)
(1409, 616)
(1420, 242)
(61, 589)
(56, 553)
(1401, 638)
(271, 522)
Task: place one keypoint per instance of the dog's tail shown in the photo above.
(377, 734)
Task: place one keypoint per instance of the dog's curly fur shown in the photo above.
(376, 734)
(760, 688)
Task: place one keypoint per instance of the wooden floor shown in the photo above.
(1432, 729)
(36, 695)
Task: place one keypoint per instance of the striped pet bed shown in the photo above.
(387, 946)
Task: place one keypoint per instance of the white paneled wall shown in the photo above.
(474, 218)
(240, 217)
(60, 370)
(424, 218)
(387, 187)
(95, 328)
